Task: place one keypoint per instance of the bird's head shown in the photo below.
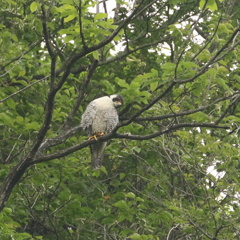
(117, 100)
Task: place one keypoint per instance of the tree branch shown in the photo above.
(173, 115)
(135, 12)
(23, 89)
(70, 132)
(46, 34)
(81, 25)
(77, 147)
(50, 48)
(31, 47)
(149, 105)
(234, 100)
(212, 60)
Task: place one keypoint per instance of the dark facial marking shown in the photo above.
(118, 99)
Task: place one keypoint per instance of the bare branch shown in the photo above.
(170, 129)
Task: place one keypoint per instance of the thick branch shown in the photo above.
(112, 135)
(70, 132)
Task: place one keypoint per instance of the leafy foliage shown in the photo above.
(171, 168)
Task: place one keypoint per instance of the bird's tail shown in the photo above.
(97, 150)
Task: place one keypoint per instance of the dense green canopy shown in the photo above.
(171, 168)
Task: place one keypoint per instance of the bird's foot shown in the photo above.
(95, 136)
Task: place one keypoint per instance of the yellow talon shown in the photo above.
(92, 137)
(100, 134)
(95, 136)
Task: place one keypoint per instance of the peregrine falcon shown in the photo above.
(100, 118)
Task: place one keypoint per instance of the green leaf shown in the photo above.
(103, 169)
(130, 195)
(122, 83)
(69, 18)
(222, 83)
(200, 117)
(166, 216)
(197, 89)
(21, 73)
(153, 86)
(135, 236)
(122, 175)
(7, 210)
(233, 119)
(96, 54)
(202, 3)
(121, 204)
(11, 103)
(14, 38)
(6, 119)
(69, 38)
(64, 31)
(32, 126)
(65, 8)
(168, 66)
(34, 6)
(100, 16)
(212, 5)
(138, 199)
(174, 208)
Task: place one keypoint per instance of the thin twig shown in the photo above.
(19, 58)
(174, 227)
(185, 112)
(212, 60)
(23, 89)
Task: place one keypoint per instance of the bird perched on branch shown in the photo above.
(99, 119)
